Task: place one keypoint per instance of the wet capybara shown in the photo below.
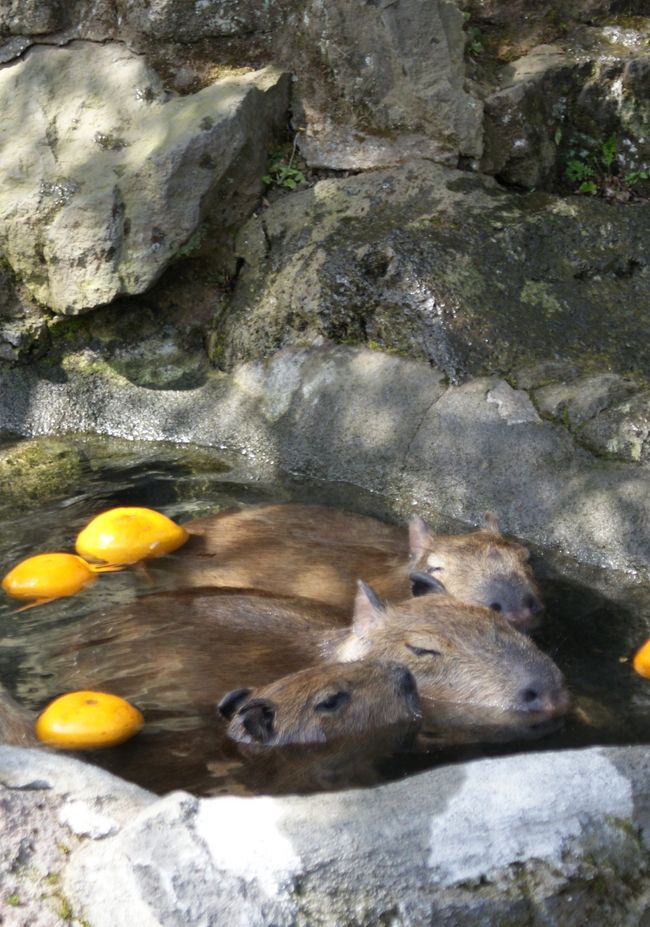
(322, 703)
(319, 553)
(458, 653)
(175, 654)
(179, 651)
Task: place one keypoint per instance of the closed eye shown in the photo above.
(333, 702)
(423, 651)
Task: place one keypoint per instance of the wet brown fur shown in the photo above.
(319, 553)
(175, 654)
(16, 723)
(182, 651)
(373, 696)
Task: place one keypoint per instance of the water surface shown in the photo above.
(595, 620)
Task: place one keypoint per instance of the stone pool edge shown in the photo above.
(561, 836)
(384, 423)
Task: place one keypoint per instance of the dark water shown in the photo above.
(594, 622)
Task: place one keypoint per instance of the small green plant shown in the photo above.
(598, 172)
(13, 900)
(474, 38)
(282, 173)
(633, 177)
(581, 172)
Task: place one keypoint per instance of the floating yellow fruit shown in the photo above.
(641, 661)
(126, 535)
(49, 576)
(87, 720)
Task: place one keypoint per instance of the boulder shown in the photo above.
(381, 83)
(574, 111)
(444, 266)
(107, 176)
(474, 844)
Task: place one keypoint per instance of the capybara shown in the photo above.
(182, 651)
(16, 722)
(319, 553)
(322, 703)
(175, 654)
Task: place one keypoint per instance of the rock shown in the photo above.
(395, 68)
(35, 472)
(444, 266)
(621, 431)
(86, 821)
(380, 422)
(579, 400)
(565, 834)
(561, 104)
(522, 117)
(186, 21)
(35, 786)
(31, 17)
(108, 176)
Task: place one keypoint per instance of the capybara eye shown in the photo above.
(496, 606)
(423, 651)
(333, 702)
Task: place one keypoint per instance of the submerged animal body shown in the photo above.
(179, 650)
(319, 553)
(175, 654)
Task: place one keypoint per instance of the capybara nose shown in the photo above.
(406, 686)
(407, 681)
(540, 697)
(532, 604)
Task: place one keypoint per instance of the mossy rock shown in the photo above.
(37, 471)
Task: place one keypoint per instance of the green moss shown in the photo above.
(536, 293)
(13, 900)
(33, 471)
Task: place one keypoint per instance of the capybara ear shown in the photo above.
(419, 537)
(231, 701)
(257, 717)
(424, 584)
(368, 608)
(491, 522)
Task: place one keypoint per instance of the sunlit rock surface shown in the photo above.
(445, 266)
(106, 176)
(380, 422)
(565, 834)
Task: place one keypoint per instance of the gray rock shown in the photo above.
(108, 176)
(381, 422)
(30, 16)
(560, 832)
(579, 400)
(37, 839)
(444, 266)
(621, 431)
(560, 103)
(397, 68)
(187, 21)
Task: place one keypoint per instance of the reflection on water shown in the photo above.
(594, 622)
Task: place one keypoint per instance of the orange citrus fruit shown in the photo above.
(127, 535)
(86, 720)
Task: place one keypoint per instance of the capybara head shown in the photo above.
(323, 703)
(457, 652)
(480, 568)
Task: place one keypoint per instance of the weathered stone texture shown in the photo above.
(105, 176)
